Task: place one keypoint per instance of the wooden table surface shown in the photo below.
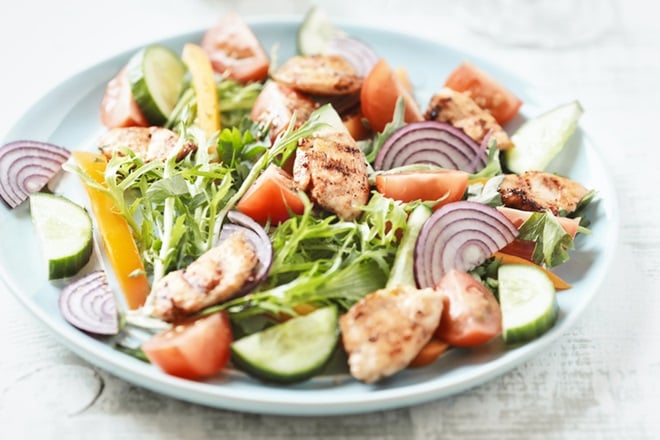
(599, 381)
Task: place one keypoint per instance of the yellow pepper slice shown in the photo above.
(201, 71)
(115, 233)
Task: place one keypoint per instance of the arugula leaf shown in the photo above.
(552, 242)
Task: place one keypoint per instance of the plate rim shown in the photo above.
(210, 394)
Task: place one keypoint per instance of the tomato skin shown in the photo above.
(486, 91)
(423, 185)
(271, 197)
(520, 248)
(234, 50)
(118, 107)
(471, 315)
(193, 349)
(380, 91)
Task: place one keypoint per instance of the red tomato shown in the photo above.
(518, 217)
(118, 108)
(423, 185)
(355, 125)
(486, 92)
(272, 197)
(471, 315)
(520, 248)
(233, 49)
(380, 91)
(194, 349)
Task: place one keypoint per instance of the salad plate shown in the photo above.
(69, 116)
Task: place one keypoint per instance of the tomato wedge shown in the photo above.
(272, 197)
(471, 315)
(193, 349)
(380, 91)
(235, 51)
(118, 107)
(423, 185)
(486, 91)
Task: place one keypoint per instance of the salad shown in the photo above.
(271, 216)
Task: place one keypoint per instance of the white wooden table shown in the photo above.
(599, 381)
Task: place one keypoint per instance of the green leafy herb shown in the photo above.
(487, 193)
(552, 242)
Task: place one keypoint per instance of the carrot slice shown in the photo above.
(512, 259)
(115, 233)
(429, 353)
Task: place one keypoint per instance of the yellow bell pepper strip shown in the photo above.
(201, 71)
(512, 259)
(115, 233)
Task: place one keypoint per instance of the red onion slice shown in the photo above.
(89, 304)
(26, 167)
(431, 142)
(358, 54)
(459, 235)
(260, 241)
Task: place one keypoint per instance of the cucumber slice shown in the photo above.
(64, 230)
(292, 351)
(539, 140)
(528, 302)
(315, 32)
(329, 115)
(156, 75)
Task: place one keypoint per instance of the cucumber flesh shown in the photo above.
(329, 116)
(539, 140)
(402, 272)
(64, 230)
(528, 301)
(156, 75)
(315, 32)
(292, 351)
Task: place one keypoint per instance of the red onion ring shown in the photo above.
(460, 235)
(89, 304)
(431, 142)
(258, 238)
(26, 167)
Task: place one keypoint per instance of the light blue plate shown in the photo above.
(68, 116)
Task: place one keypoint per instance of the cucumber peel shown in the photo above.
(315, 32)
(539, 140)
(156, 75)
(528, 301)
(292, 351)
(64, 230)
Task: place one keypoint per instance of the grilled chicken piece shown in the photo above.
(275, 106)
(216, 276)
(538, 191)
(148, 143)
(385, 330)
(320, 75)
(460, 110)
(332, 169)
